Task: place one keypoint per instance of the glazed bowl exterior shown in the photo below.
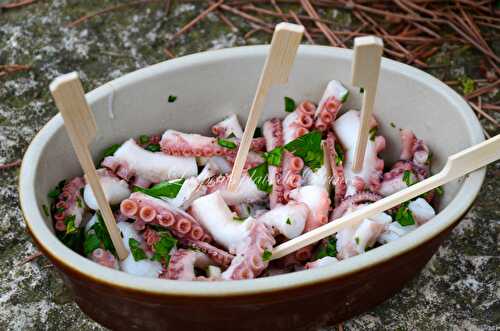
(208, 87)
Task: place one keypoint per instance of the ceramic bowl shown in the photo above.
(208, 87)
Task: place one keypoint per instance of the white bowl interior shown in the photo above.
(215, 84)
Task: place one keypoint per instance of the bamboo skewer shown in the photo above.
(284, 45)
(365, 71)
(458, 164)
(68, 94)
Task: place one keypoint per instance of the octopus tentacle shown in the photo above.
(104, 258)
(338, 179)
(249, 262)
(318, 201)
(246, 192)
(273, 134)
(115, 189)
(184, 144)
(70, 203)
(352, 202)
(288, 220)
(146, 209)
(291, 177)
(298, 122)
(329, 106)
(227, 127)
(217, 255)
(182, 265)
(370, 175)
(135, 164)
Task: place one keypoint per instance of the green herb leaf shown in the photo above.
(343, 99)
(392, 124)
(172, 98)
(439, 190)
(339, 158)
(407, 178)
(266, 256)
(404, 215)
(238, 219)
(163, 247)
(308, 148)
(361, 90)
(136, 250)
(259, 176)
(90, 244)
(167, 189)
(356, 240)
(110, 151)
(143, 139)
(289, 105)
(70, 224)
(288, 221)
(153, 148)
(231, 135)
(102, 233)
(373, 133)
(45, 210)
(56, 191)
(274, 157)
(79, 202)
(327, 248)
(257, 133)
(226, 143)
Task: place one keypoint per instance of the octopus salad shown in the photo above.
(179, 221)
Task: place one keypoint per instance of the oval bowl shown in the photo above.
(208, 87)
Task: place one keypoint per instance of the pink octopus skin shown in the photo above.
(253, 160)
(145, 209)
(70, 202)
(318, 201)
(191, 144)
(182, 264)
(353, 201)
(414, 158)
(272, 131)
(291, 177)
(298, 122)
(104, 258)
(338, 179)
(217, 255)
(329, 105)
(249, 262)
(227, 127)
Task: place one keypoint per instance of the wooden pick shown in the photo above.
(284, 45)
(459, 164)
(69, 96)
(365, 71)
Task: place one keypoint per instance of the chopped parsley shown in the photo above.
(110, 151)
(356, 240)
(172, 98)
(56, 191)
(238, 219)
(327, 248)
(372, 133)
(392, 124)
(73, 236)
(167, 189)
(429, 159)
(45, 210)
(153, 148)
(339, 158)
(102, 233)
(79, 202)
(274, 157)
(361, 90)
(344, 97)
(266, 256)
(289, 105)
(143, 139)
(288, 221)
(257, 133)
(308, 148)
(226, 143)
(259, 176)
(91, 243)
(407, 178)
(70, 224)
(439, 190)
(404, 215)
(136, 250)
(163, 247)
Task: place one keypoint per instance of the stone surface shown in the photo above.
(458, 289)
